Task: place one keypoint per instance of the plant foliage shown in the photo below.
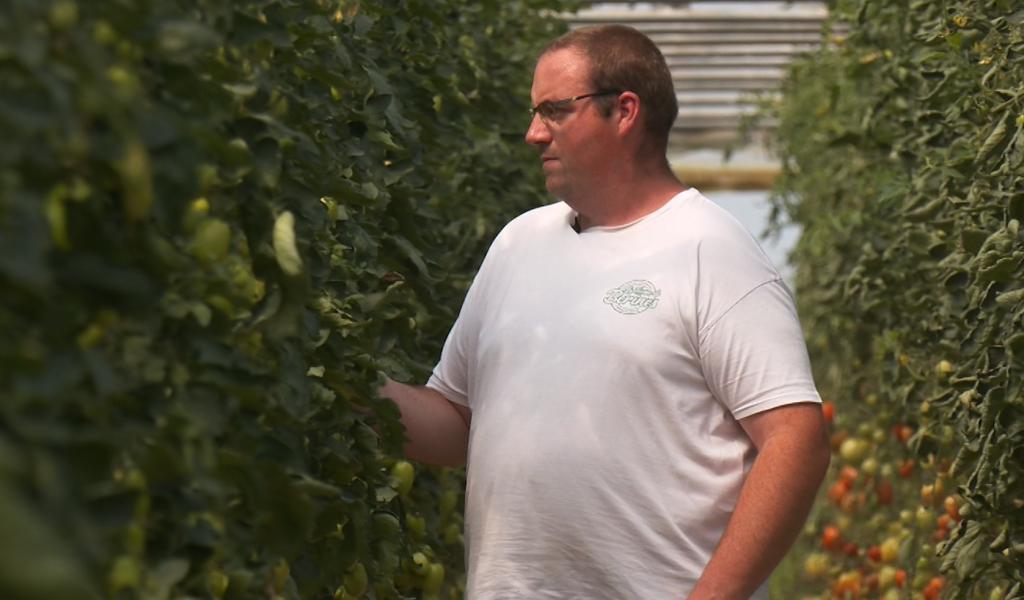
(219, 221)
(902, 146)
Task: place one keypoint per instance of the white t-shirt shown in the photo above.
(605, 372)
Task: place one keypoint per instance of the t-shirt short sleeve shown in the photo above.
(451, 375)
(754, 355)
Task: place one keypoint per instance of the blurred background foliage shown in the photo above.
(902, 148)
(219, 222)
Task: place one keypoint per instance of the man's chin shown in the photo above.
(555, 187)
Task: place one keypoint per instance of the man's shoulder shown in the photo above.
(537, 221)
(704, 217)
(553, 213)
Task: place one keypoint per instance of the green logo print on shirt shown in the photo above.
(633, 297)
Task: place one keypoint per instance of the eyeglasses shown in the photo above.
(549, 109)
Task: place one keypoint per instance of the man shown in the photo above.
(627, 375)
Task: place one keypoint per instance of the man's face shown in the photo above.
(573, 141)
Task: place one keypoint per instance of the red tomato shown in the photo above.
(902, 432)
(830, 537)
(884, 491)
(850, 549)
(934, 588)
(871, 582)
(828, 410)
(851, 503)
(838, 490)
(907, 468)
(875, 554)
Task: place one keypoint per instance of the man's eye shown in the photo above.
(547, 110)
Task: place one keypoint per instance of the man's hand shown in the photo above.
(437, 430)
(793, 456)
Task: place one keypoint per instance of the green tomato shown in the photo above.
(217, 582)
(279, 575)
(126, 573)
(449, 500)
(853, 450)
(197, 211)
(64, 14)
(420, 563)
(211, 241)
(135, 538)
(452, 534)
(434, 579)
(103, 33)
(404, 474)
(417, 526)
(924, 518)
(356, 580)
(386, 525)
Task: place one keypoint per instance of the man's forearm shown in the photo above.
(437, 432)
(773, 504)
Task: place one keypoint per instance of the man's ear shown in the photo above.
(627, 110)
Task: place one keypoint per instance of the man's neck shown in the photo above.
(627, 201)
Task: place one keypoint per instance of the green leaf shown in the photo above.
(994, 139)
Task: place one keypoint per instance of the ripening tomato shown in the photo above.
(889, 551)
(816, 565)
(928, 494)
(848, 583)
(906, 468)
(950, 504)
(869, 466)
(886, 576)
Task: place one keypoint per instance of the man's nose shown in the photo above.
(537, 133)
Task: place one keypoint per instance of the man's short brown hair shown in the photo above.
(621, 58)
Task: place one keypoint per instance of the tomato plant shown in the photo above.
(220, 221)
(902, 154)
